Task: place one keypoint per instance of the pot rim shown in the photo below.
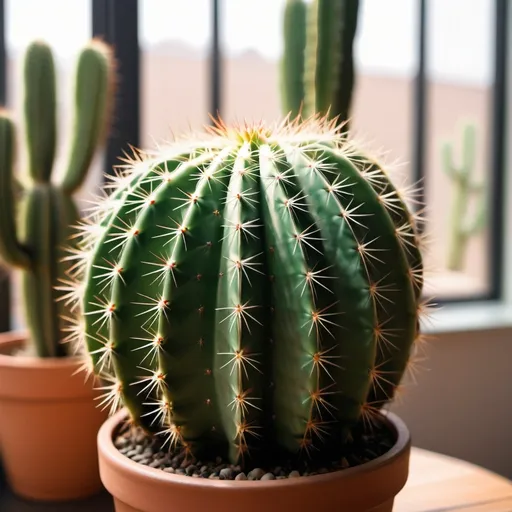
(115, 458)
(14, 338)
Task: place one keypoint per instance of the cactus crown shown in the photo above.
(258, 288)
(35, 228)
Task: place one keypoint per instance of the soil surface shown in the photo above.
(144, 449)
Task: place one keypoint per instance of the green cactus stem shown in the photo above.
(292, 66)
(36, 227)
(317, 70)
(255, 291)
(462, 226)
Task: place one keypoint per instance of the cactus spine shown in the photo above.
(34, 232)
(317, 71)
(462, 227)
(254, 291)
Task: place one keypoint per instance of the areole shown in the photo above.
(370, 487)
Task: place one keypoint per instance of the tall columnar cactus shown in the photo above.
(463, 227)
(317, 71)
(259, 288)
(34, 233)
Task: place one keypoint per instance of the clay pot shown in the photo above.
(369, 487)
(48, 425)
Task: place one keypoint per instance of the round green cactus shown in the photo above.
(256, 289)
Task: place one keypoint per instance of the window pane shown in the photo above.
(385, 56)
(175, 38)
(66, 27)
(460, 75)
(252, 47)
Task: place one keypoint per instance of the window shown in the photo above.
(429, 72)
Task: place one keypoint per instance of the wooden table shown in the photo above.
(438, 483)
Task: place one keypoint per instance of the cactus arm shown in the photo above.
(324, 43)
(292, 64)
(40, 110)
(93, 91)
(357, 351)
(461, 227)
(11, 251)
(65, 216)
(342, 93)
(38, 233)
(468, 148)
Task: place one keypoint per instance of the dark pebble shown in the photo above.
(190, 470)
(294, 474)
(180, 471)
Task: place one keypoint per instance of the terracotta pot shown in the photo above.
(48, 426)
(369, 487)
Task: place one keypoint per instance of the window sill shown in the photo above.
(478, 316)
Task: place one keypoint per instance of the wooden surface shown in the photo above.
(438, 483)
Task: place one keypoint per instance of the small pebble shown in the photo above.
(255, 474)
(241, 476)
(190, 470)
(204, 469)
(294, 474)
(132, 453)
(170, 470)
(156, 463)
(121, 442)
(268, 476)
(322, 471)
(226, 474)
(280, 477)
(180, 471)
(344, 463)
(218, 460)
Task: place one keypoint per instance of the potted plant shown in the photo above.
(252, 297)
(48, 418)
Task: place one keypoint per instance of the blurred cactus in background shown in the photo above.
(462, 226)
(37, 211)
(317, 70)
(252, 291)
